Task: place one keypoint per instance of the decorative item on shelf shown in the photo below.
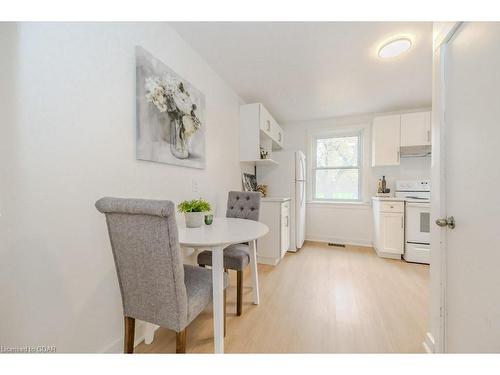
(379, 186)
(249, 182)
(384, 185)
(262, 189)
(170, 115)
(263, 153)
(382, 190)
(194, 211)
(209, 218)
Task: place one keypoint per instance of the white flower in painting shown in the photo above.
(183, 101)
(171, 83)
(191, 125)
(168, 94)
(156, 93)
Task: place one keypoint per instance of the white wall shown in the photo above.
(349, 222)
(68, 138)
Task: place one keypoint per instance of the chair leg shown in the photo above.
(180, 341)
(239, 292)
(225, 319)
(128, 347)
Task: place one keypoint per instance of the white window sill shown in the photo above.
(333, 204)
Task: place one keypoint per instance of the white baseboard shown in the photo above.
(117, 345)
(346, 241)
(429, 343)
(268, 261)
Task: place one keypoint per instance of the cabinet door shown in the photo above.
(277, 135)
(416, 129)
(386, 140)
(265, 121)
(376, 224)
(285, 228)
(392, 233)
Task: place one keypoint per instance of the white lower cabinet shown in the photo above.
(389, 228)
(275, 213)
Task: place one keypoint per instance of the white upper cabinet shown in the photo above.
(386, 137)
(416, 129)
(258, 129)
(277, 135)
(265, 119)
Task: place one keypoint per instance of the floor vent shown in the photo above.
(336, 244)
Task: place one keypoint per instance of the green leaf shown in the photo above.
(195, 205)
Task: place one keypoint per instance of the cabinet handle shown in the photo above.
(279, 137)
(399, 156)
(428, 136)
(268, 125)
(286, 221)
(402, 222)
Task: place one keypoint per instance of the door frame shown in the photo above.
(435, 340)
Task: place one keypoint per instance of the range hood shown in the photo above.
(415, 151)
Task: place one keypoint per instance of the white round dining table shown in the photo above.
(222, 233)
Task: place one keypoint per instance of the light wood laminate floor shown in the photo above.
(320, 300)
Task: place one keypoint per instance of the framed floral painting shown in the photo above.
(170, 115)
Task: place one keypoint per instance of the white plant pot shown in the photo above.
(194, 219)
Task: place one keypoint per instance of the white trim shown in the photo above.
(428, 343)
(327, 132)
(443, 33)
(347, 205)
(117, 345)
(268, 261)
(344, 241)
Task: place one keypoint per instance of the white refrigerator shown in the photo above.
(288, 179)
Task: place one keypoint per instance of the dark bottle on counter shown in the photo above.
(384, 184)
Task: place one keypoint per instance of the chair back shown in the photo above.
(243, 205)
(146, 251)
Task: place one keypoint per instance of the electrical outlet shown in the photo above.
(194, 186)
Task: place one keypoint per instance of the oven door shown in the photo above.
(418, 229)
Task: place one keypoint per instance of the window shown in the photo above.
(337, 167)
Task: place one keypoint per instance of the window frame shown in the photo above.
(336, 134)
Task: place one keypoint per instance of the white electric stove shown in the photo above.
(417, 195)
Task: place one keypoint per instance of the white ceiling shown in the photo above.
(312, 70)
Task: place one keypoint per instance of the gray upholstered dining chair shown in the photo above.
(242, 205)
(155, 285)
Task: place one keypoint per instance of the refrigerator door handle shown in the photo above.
(302, 167)
(301, 197)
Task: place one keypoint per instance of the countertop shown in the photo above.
(394, 199)
(274, 199)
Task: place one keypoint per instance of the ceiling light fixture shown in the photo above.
(394, 47)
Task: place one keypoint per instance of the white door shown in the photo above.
(386, 140)
(416, 129)
(392, 233)
(471, 145)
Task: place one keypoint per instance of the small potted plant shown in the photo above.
(194, 211)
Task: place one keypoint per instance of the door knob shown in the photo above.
(448, 222)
